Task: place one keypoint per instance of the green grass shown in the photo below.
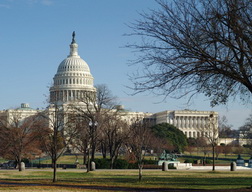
(129, 178)
(71, 159)
(221, 155)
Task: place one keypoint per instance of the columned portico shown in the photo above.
(192, 123)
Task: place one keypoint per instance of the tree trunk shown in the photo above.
(112, 163)
(88, 161)
(93, 152)
(104, 151)
(213, 147)
(19, 164)
(84, 158)
(54, 164)
(140, 174)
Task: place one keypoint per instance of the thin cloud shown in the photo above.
(47, 2)
(4, 6)
(43, 2)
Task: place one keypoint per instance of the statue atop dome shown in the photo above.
(73, 37)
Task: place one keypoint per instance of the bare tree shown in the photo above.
(227, 149)
(211, 132)
(218, 150)
(140, 141)
(81, 139)
(93, 109)
(225, 130)
(115, 132)
(194, 47)
(245, 131)
(57, 131)
(247, 125)
(19, 137)
(190, 149)
(160, 144)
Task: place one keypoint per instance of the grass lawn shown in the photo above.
(229, 156)
(103, 180)
(71, 159)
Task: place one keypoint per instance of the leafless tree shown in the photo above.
(140, 140)
(57, 131)
(160, 144)
(218, 150)
(211, 132)
(247, 124)
(190, 149)
(245, 131)
(115, 132)
(81, 139)
(191, 47)
(238, 150)
(227, 149)
(225, 130)
(93, 109)
(19, 137)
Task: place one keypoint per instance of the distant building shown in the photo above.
(73, 81)
(9, 116)
(193, 123)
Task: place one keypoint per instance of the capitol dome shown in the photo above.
(73, 77)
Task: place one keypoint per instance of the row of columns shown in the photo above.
(69, 95)
(77, 81)
(191, 122)
(196, 134)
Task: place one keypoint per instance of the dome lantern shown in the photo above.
(74, 47)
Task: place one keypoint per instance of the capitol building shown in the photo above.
(73, 81)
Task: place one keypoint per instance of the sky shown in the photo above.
(35, 37)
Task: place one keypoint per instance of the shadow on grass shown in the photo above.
(184, 181)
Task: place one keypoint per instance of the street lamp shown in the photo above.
(92, 127)
(213, 135)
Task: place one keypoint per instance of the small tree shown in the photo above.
(211, 132)
(57, 131)
(92, 109)
(190, 149)
(227, 149)
(225, 130)
(19, 137)
(81, 139)
(115, 132)
(245, 131)
(140, 140)
(201, 144)
(218, 151)
(238, 150)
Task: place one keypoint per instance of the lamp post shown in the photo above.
(88, 160)
(213, 135)
(92, 128)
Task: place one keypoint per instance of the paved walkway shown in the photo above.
(221, 168)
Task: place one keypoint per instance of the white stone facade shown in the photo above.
(193, 123)
(9, 116)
